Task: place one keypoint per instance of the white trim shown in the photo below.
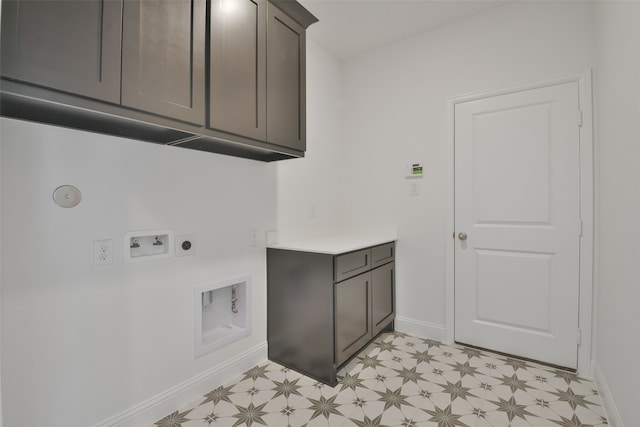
(419, 329)
(158, 406)
(586, 207)
(610, 410)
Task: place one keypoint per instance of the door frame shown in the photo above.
(587, 172)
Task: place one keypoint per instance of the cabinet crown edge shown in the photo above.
(296, 11)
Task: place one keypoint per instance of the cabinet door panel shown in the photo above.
(352, 316)
(382, 296)
(72, 46)
(286, 114)
(238, 67)
(163, 62)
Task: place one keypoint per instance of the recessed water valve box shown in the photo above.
(221, 313)
(148, 245)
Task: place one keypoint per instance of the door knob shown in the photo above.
(462, 236)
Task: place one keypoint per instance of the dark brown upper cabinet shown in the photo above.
(145, 69)
(257, 72)
(163, 58)
(238, 45)
(71, 46)
(286, 83)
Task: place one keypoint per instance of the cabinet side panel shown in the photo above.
(300, 312)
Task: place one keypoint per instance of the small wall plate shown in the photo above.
(67, 196)
(186, 244)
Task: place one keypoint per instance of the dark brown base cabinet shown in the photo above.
(324, 308)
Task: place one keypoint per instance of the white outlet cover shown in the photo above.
(103, 252)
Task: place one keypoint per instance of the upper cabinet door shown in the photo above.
(238, 67)
(286, 117)
(71, 46)
(163, 58)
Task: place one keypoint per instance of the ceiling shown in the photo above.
(350, 27)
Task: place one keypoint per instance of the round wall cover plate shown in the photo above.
(67, 196)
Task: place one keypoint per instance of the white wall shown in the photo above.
(309, 189)
(394, 113)
(81, 343)
(1, 404)
(618, 344)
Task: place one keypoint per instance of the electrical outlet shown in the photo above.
(253, 237)
(185, 244)
(103, 252)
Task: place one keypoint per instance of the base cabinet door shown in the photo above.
(382, 296)
(71, 46)
(163, 58)
(352, 316)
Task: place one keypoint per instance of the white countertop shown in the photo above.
(334, 245)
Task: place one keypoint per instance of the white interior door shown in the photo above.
(517, 199)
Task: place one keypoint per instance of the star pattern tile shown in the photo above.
(403, 381)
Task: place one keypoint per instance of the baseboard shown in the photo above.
(158, 406)
(420, 329)
(613, 416)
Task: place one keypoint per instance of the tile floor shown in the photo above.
(403, 381)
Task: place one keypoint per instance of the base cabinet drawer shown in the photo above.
(382, 254)
(323, 309)
(351, 264)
